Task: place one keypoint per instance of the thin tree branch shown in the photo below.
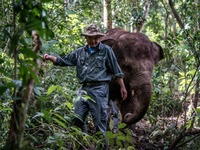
(181, 136)
(187, 34)
(198, 134)
(145, 15)
(176, 15)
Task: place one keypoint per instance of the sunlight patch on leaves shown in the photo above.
(53, 88)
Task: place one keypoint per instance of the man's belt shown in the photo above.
(96, 83)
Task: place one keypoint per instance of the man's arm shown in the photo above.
(123, 91)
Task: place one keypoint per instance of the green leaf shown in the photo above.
(34, 138)
(87, 97)
(198, 109)
(60, 123)
(3, 88)
(69, 12)
(2, 71)
(131, 148)
(189, 124)
(182, 74)
(28, 53)
(53, 42)
(60, 117)
(122, 125)
(69, 105)
(54, 87)
(51, 139)
(51, 89)
(47, 115)
(34, 76)
(191, 72)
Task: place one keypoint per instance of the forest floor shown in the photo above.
(142, 137)
(162, 134)
(157, 137)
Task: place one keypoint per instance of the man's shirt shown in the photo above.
(100, 65)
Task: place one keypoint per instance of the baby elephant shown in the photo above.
(137, 56)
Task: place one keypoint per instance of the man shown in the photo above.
(95, 65)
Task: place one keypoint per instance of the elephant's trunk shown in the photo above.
(141, 98)
(139, 91)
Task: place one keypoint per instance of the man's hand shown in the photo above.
(123, 93)
(122, 88)
(49, 57)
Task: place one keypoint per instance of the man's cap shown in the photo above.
(92, 30)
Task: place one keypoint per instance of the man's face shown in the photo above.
(92, 41)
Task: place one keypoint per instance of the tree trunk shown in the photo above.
(145, 15)
(20, 107)
(107, 14)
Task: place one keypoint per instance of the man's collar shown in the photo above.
(99, 47)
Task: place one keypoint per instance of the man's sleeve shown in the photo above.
(113, 64)
(68, 60)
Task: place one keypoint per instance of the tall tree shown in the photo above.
(144, 17)
(107, 15)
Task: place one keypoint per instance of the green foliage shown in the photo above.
(122, 139)
(60, 25)
(7, 65)
(5, 112)
(128, 13)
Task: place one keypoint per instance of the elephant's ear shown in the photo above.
(109, 42)
(157, 52)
